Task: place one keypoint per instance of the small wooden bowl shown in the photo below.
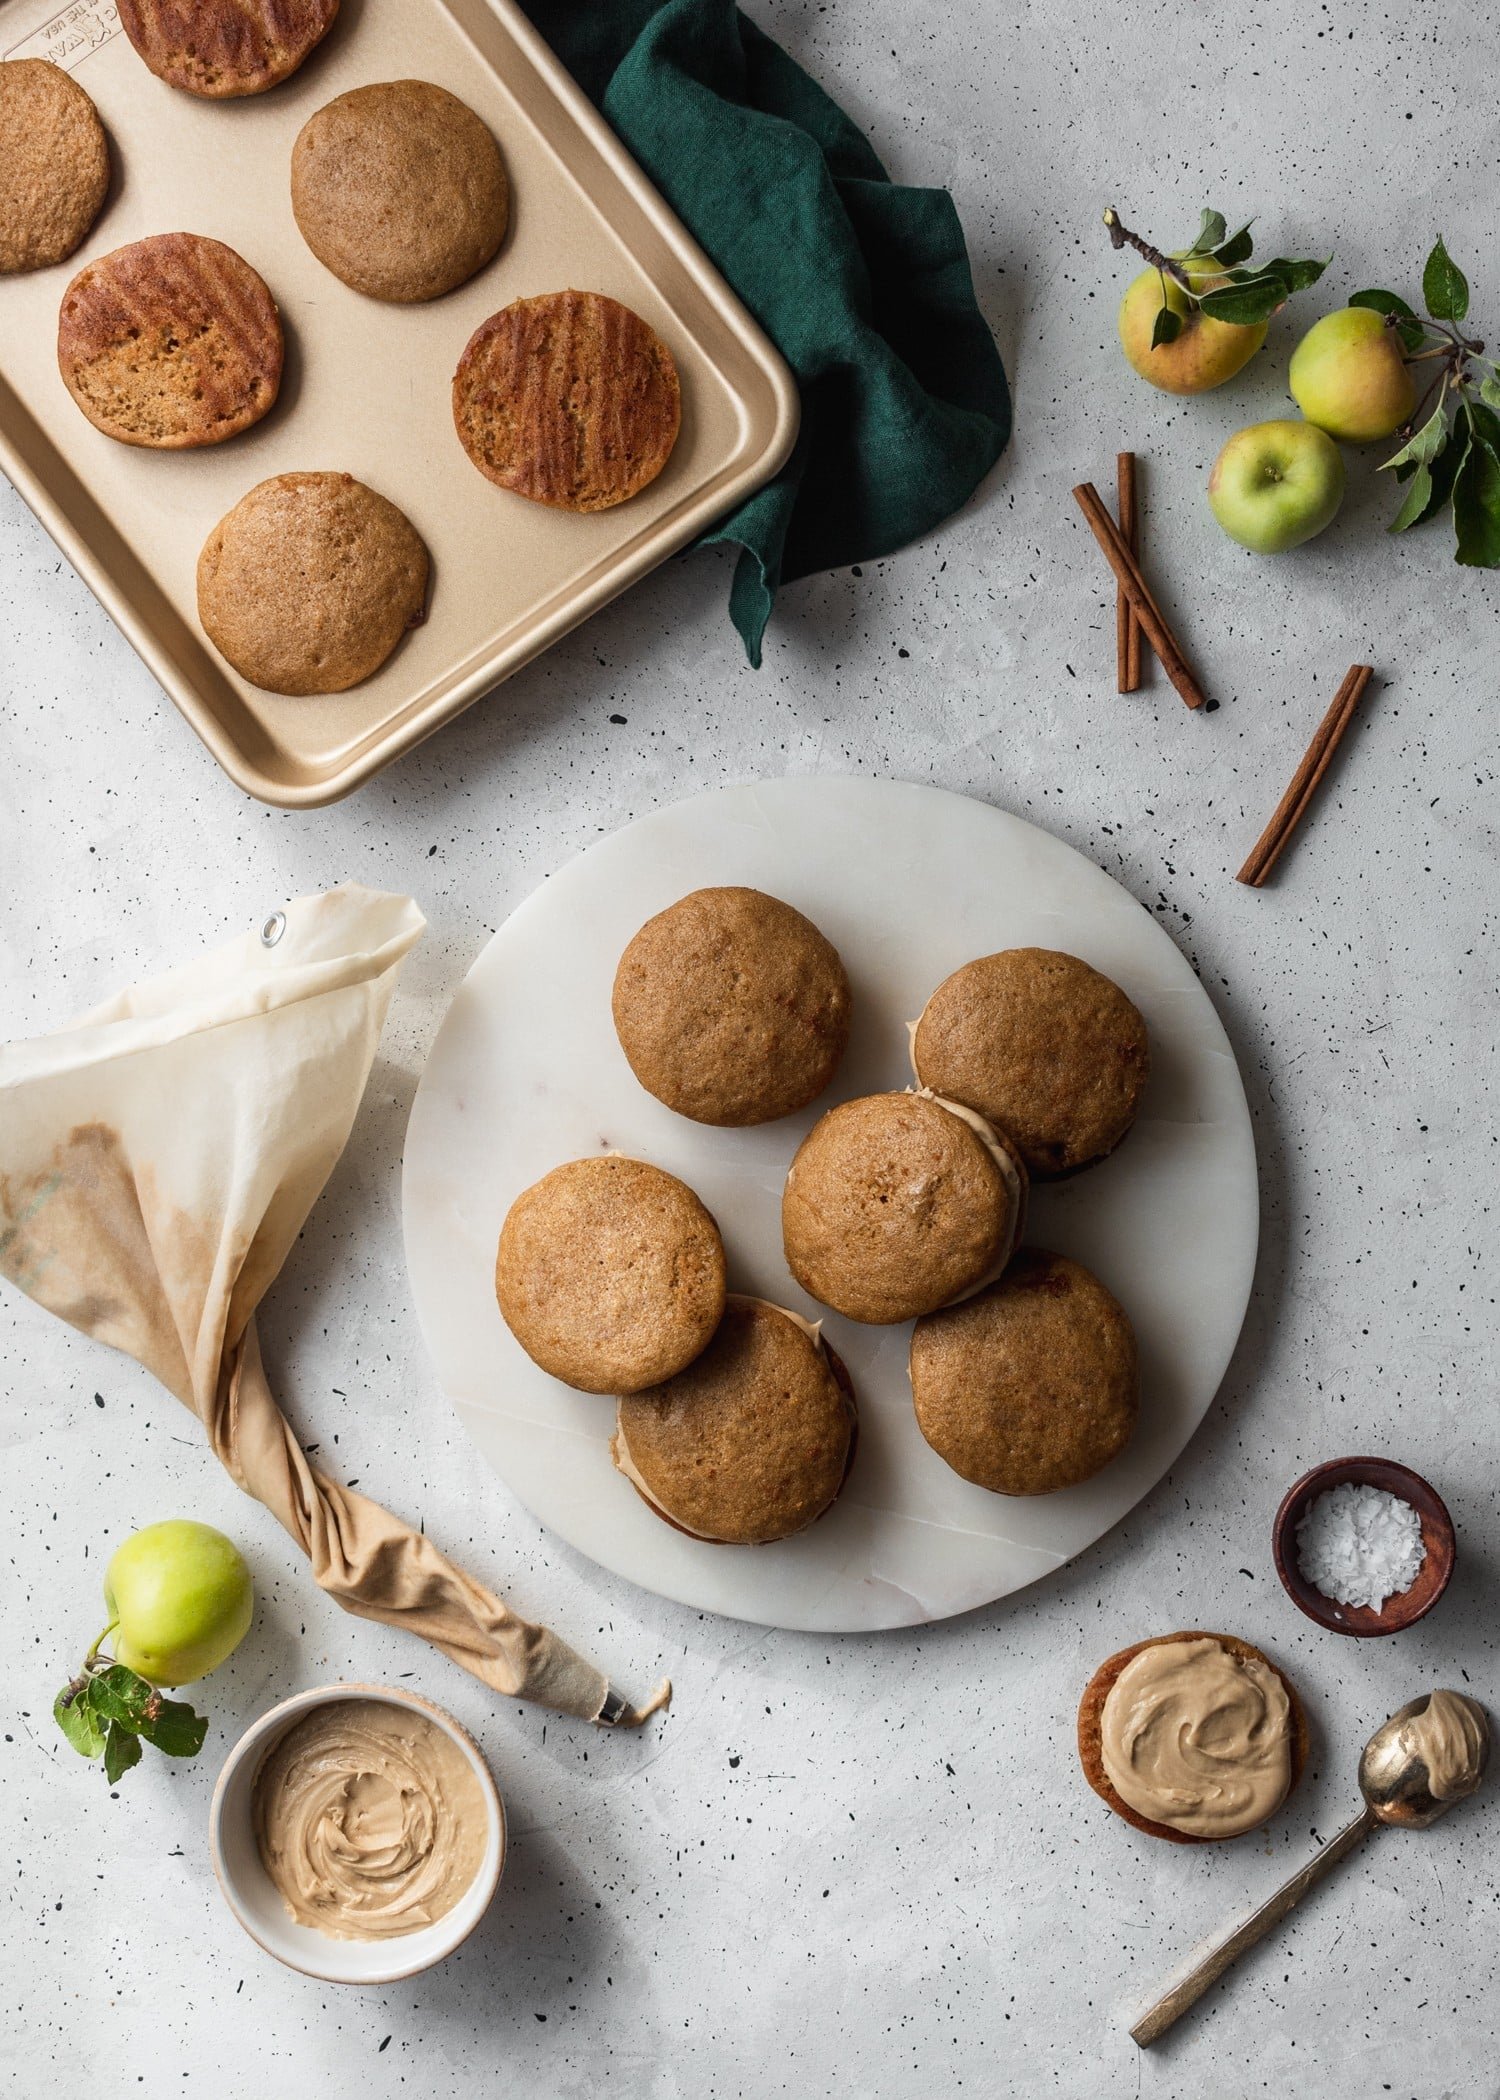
(1437, 1539)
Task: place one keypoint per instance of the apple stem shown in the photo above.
(88, 1660)
(1121, 236)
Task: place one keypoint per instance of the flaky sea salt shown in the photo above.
(1360, 1545)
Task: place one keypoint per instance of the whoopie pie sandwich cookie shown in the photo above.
(170, 342)
(610, 1274)
(224, 48)
(1044, 1046)
(731, 1007)
(1192, 1737)
(399, 189)
(1031, 1385)
(896, 1204)
(54, 164)
(750, 1443)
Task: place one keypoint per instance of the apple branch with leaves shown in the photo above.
(1241, 292)
(108, 1710)
(1450, 449)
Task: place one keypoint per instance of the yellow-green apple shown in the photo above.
(180, 1601)
(1206, 353)
(1350, 377)
(1276, 484)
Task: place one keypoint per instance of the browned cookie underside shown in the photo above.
(752, 1442)
(222, 48)
(1032, 1385)
(310, 582)
(1043, 1045)
(1091, 1732)
(731, 1007)
(399, 190)
(54, 164)
(568, 399)
(170, 342)
(610, 1274)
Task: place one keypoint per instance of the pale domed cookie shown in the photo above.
(1043, 1046)
(1032, 1385)
(399, 190)
(308, 584)
(54, 164)
(731, 1007)
(568, 399)
(170, 342)
(1095, 1755)
(224, 48)
(753, 1441)
(610, 1274)
(898, 1203)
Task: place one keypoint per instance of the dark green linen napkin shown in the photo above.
(863, 284)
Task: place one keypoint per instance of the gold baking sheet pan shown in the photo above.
(367, 385)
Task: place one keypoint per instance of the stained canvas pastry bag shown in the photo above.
(157, 1161)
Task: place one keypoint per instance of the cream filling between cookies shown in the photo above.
(619, 1448)
(1010, 1174)
(1197, 1737)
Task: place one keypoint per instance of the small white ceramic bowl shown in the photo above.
(252, 1896)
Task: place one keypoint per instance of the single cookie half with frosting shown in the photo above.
(1192, 1737)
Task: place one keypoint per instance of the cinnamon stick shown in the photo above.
(1307, 779)
(1127, 574)
(1127, 627)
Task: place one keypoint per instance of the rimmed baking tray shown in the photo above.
(367, 385)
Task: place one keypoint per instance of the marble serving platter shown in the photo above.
(908, 882)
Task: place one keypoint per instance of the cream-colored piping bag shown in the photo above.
(158, 1159)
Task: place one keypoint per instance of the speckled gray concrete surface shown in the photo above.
(861, 1867)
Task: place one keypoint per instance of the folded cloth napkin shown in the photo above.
(862, 283)
(157, 1161)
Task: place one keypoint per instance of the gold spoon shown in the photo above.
(1414, 1767)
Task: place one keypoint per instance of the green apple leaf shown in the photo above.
(1236, 248)
(74, 1714)
(1408, 327)
(1444, 287)
(122, 1749)
(1476, 506)
(1168, 326)
(1414, 507)
(1299, 274)
(1423, 447)
(175, 1729)
(1252, 296)
(121, 1696)
(1210, 232)
(1485, 425)
(1489, 390)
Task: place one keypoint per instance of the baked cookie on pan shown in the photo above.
(753, 1441)
(1042, 1045)
(170, 342)
(399, 190)
(568, 399)
(54, 164)
(1031, 1385)
(731, 1007)
(1201, 1728)
(224, 48)
(308, 584)
(610, 1274)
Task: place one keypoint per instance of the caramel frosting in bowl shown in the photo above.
(1199, 1738)
(369, 1819)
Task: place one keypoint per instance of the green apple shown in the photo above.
(1349, 376)
(1276, 484)
(180, 1601)
(1206, 353)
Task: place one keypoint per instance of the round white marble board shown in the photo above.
(908, 882)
